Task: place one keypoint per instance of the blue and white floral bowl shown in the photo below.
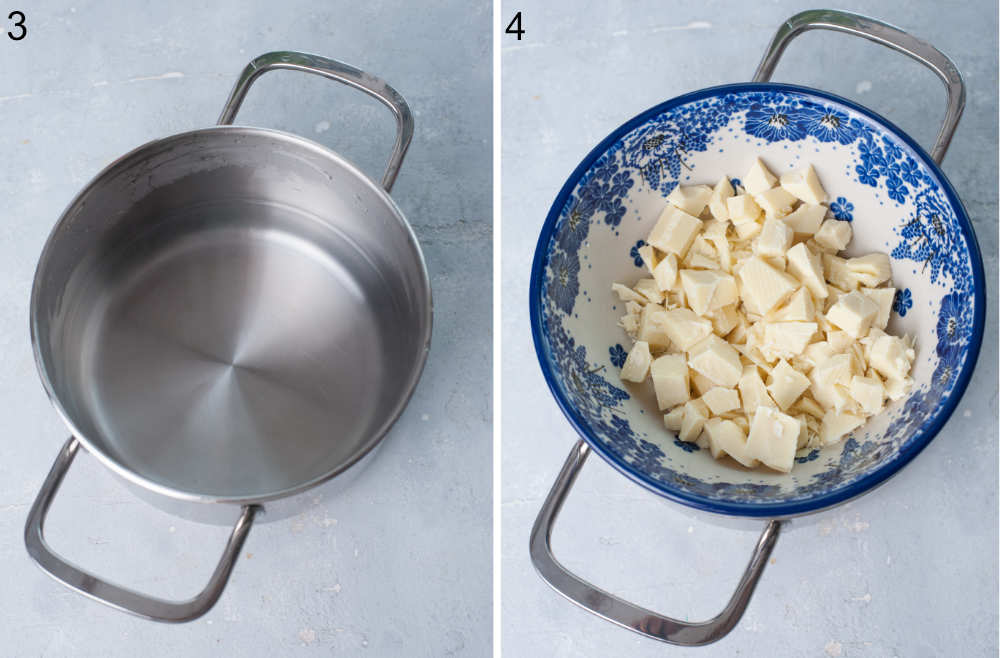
(877, 177)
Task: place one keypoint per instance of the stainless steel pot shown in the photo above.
(228, 316)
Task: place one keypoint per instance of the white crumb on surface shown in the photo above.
(833, 648)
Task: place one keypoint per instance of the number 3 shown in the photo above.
(20, 24)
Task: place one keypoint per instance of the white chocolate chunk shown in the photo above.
(692, 199)
(695, 414)
(804, 184)
(670, 380)
(626, 294)
(833, 234)
(652, 327)
(773, 438)
(753, 393)
(775, 238)
(742, 209)
(648, 289)
(759, 178)
(798, 308)
(717, 202)
(699, 288)
(897, 389)
(868, 393)
(807, 267)
(724, 319)
(720, 400)
(766, 285)
(665, 273)
(787, 384)
(806, 220)
(837, 425)
(674, 419)
(636, 365)
(883, 298)
(685, 328)
(717, 360)
(837, 272)
(650, 257)
(727, 438)
(854, 313)
(700, 383)
(870, 270)
(891, 358)
(775, 202)
(784, 340)
(674, 231)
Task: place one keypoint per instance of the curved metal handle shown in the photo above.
(882, 33)
(118, 597)
(334, 70)
(621, 612)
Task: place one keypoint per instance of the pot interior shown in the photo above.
(231, 314)
(876, 177)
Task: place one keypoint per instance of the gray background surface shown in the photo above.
(910, 570)
(399, 564)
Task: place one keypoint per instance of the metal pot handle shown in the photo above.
(882, 33)
(621, 612)
(334, 70)
(118, 597)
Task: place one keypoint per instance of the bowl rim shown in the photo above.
(787, 508)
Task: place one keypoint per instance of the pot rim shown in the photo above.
(734, 508)
(125, 161)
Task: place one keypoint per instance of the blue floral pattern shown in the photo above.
(657, 155)
(902, 302)
(842, 209)
(618, 355)
(634, 252)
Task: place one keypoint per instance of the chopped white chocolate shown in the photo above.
(718, 360)
(637, 362)
(692, 199)
(833, 234)
(765, 339)
(765, 285)
(665, 273)
(742, 209)
(648, 289)
(773, 439)
(798, 308)
(804, 184)
(775, 238)
(836, 425)
(652, 327)
(775, 202)
(695, 414)
(753, 393)
(674, 419)
(717, 202)
(759, 178)
(720, 400)
(674, 231)
(807, 267)
(870, 270)
(854, 313)
(805, 220)
(727, 438)
(670, 380)
(883, 298)
(787, 384)
(868, 393)
(650, 257)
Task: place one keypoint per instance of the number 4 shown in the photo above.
(516, 22)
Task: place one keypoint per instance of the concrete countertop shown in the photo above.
(910, 570)
(400, 563)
